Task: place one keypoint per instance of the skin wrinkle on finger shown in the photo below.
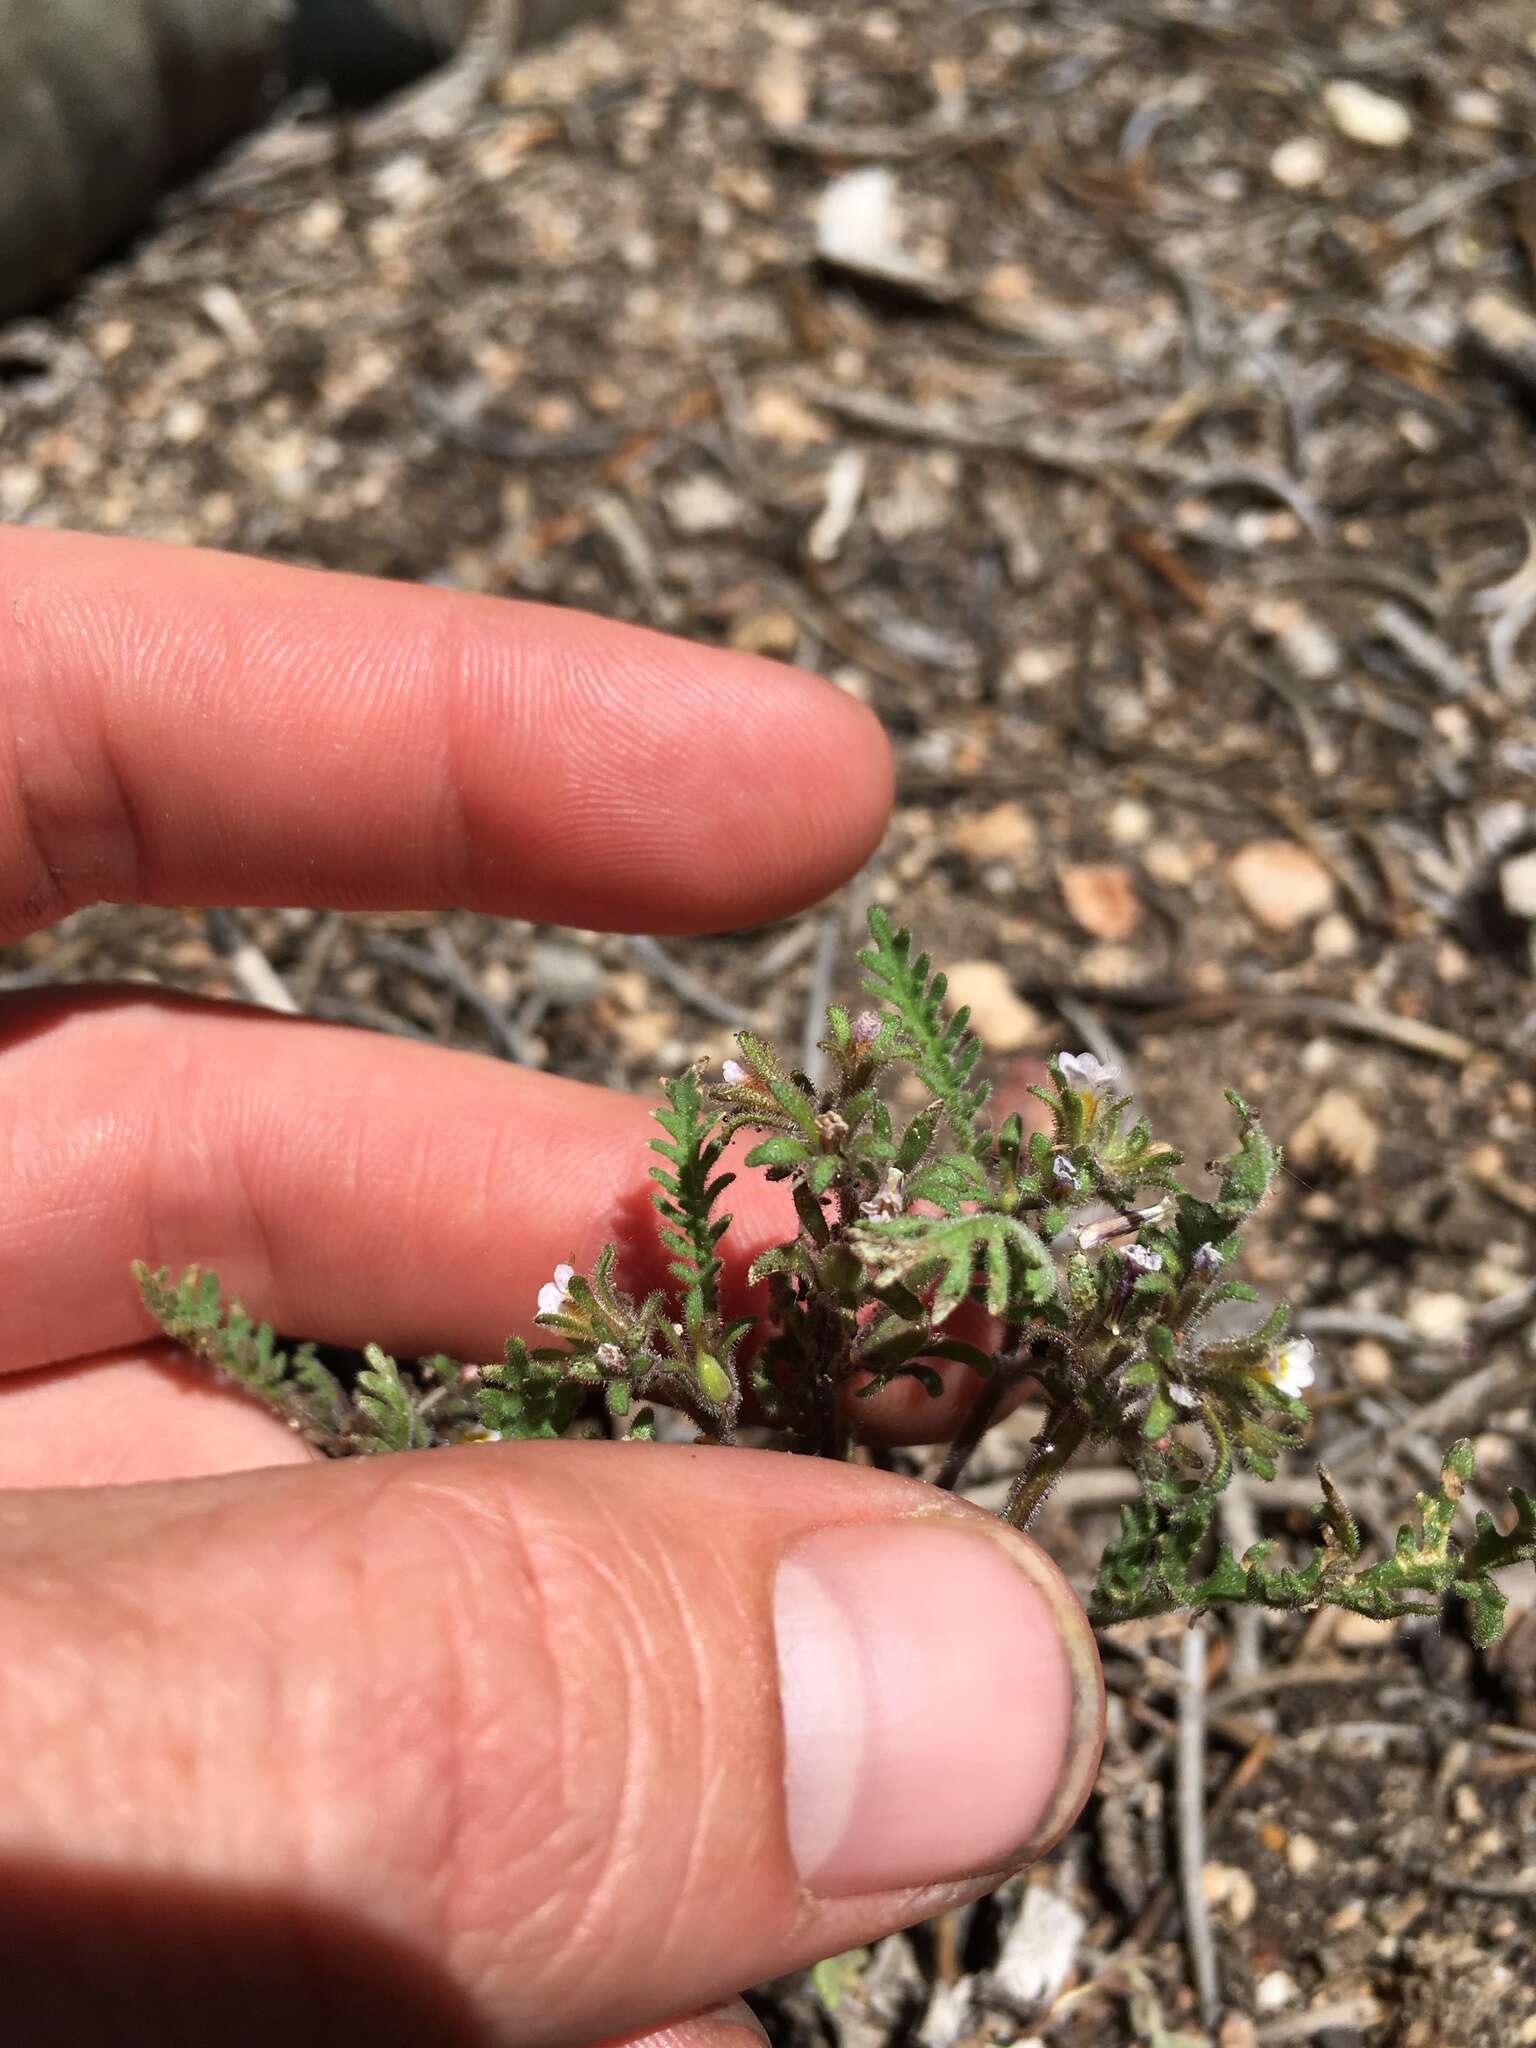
(490, 1551)
(559, 1546)
(581, 757)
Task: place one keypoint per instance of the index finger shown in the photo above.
(179, 726)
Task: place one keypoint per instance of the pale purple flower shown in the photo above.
(1292, 1369)
(866, 1029)
(733, 1074)
(1123, 1224)
(554, 1293)
(1207, 1261)
(1182, 1396)
(1065, 1174)
(889, 1200)
(1142, 1259)
(1087, 1073)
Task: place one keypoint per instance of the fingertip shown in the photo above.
(919, 1654)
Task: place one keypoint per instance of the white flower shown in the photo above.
(889, 1200)
(733, 1074)
(1143, 1260)
(1065, 1174)
(1182, 1396)
(609, 1357)
(553, 1294)
(1088, 1074)
(1207, 1261)
(1292, 1370)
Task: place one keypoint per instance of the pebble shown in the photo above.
(1370, 1362)
(1338, 1132)
(1367, 116)
(566, 976)
(1281, 884)
(1438, 1316)
(1131, 822)
(1474, 108)
(783, 416)
(1102, 900)
(702, 504)
(1036, 668)
(1230, 1890)
(1501, 329)
(1170, 865)
(1005, 832)
(771, 631)
(781, 87)
(1517, 884)
(1335, 937)
(1310, 649)
(1275, 1990)
(859, 228)
(1299, 163)
(1001, 1017)
(1302, 1855)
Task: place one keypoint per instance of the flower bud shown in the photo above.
(714, 1381)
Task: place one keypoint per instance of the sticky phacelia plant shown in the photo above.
(1070, 1260)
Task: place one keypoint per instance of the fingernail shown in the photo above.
(941, 1702)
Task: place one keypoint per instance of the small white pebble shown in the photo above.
(1299, 163)
(1275, 1991)
(1367, 116)
(1439, 1317)
(1130, 822)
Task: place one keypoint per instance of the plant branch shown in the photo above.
(1053, 1450)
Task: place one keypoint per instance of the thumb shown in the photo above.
(531, 1744)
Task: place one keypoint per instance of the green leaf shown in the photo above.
(998, 1253)
(526, 1399)
(1160, 1418)
(779, 1151)
(292, 1383)
(385, 1401)
(941, 1050)
(685, 1197)
(830, 1979)
(1248, 1173)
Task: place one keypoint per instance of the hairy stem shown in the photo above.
(1053, 1450)
(980, 1418)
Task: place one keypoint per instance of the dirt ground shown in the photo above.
(1148, 432)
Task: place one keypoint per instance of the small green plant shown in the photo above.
(1070, 1259)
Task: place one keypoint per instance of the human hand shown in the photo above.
(535, 1744)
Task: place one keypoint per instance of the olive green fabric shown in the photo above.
(101, 103)
(105, 102)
